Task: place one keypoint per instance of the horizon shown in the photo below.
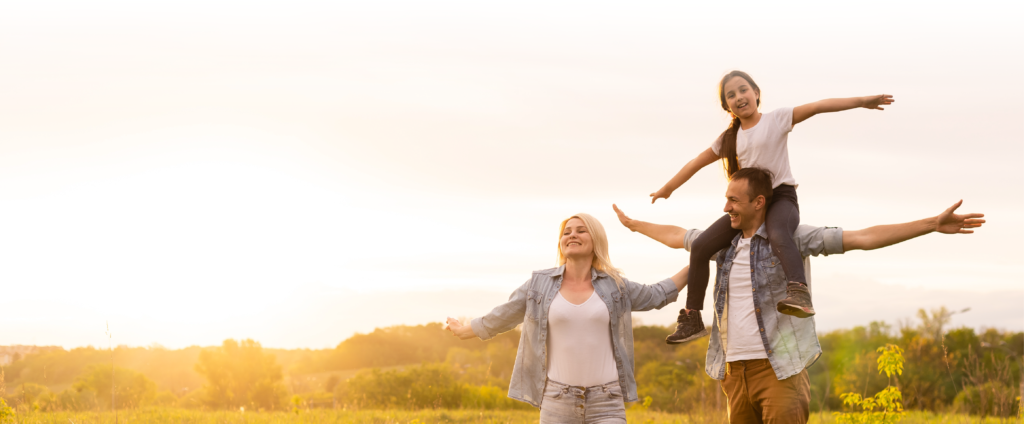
(298, 174)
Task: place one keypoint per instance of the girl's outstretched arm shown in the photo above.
(801, 113)
(705, 158)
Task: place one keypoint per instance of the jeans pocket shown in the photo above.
(552, 391)
(615, 392)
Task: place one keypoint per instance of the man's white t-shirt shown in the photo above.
(765, 146)
(741, 335)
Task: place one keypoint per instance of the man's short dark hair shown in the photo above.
(759, 183)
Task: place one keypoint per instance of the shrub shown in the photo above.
(131, 389)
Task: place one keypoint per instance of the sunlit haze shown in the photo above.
(297, 172)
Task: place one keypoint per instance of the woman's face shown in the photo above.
(741, 97)
(576, 241)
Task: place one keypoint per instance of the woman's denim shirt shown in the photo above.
(529, 305)
(791, 343)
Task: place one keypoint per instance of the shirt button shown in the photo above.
(769, 351)
(753, 289)
(758, 310)
(762, 330)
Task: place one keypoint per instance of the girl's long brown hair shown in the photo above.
(728, 150)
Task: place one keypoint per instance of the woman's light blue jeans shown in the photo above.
(565, 404)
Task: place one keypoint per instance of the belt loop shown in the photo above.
(728, 369)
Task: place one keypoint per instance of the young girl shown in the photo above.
(757, 140)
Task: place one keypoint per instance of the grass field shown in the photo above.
(171, 415)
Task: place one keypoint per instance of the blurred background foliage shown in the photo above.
(424, 367)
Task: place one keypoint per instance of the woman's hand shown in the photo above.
(876, 102)
(461, 331)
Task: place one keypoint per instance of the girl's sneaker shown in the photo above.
(689, 327)
(797, 302)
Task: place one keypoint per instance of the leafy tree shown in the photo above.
(131, 389)
(240, 374)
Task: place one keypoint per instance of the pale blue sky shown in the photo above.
(295, 172)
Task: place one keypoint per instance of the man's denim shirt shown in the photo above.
(791, 343)
(529, 305)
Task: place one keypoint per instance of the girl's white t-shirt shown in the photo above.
(580, 343)
(766, 146)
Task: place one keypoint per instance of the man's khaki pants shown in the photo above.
(757, 396)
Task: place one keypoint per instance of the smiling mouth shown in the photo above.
(573, 243)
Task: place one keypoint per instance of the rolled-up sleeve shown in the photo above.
(690, 236)
(814, 241)
(645, 297)
(504, 317)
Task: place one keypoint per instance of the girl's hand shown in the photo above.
(662, 193)
(461, 331)
(876, 102)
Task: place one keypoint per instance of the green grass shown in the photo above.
(174, 415)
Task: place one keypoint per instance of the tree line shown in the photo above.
(413, 367)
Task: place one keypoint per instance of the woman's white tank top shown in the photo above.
(580, 343)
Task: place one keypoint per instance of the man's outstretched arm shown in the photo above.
(880, 236)
(669, 235)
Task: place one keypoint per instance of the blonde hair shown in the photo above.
(602, 262)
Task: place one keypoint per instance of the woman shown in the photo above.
(569, 364)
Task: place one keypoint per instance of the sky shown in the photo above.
(296, 172)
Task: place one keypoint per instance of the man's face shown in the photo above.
(742, 210)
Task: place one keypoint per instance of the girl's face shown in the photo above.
(576, 241)
(741, 97)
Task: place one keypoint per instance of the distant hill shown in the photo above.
(13, 353)
(174, 370)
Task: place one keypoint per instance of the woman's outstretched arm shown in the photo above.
(502, 318)
(802, 113)
(461, 331)
(681, 277)
(705, 158)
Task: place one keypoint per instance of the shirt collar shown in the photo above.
(594, 273)
(762, 232)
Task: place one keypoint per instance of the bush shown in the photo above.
(992, 398)
(131, 389)
(490, 398)
(6, 412)
(240, 374)
(426, 386)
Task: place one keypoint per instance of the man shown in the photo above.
(759, 354)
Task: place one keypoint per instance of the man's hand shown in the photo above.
(881, 236)
(950, 223)
(461, 331)
(876, 102)
(625, 220)
(669, 235)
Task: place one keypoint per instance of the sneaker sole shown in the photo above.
(696, 336)
(795, 311)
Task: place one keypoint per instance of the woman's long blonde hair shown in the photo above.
(602, 262)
